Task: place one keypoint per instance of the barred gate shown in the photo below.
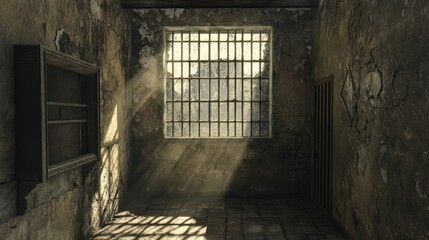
(322, 160)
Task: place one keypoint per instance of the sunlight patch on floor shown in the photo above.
(129, 226)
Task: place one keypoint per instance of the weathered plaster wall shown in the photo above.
(378, 52)
(279, 165)
(73, 204)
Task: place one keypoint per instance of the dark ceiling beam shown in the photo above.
(219, 3)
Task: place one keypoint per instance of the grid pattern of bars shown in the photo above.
(217, 83)
(322, 182)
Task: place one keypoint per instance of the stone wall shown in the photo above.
(378, 52)
(278, 165)
(73, 204)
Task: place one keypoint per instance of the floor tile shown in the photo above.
(212, 219)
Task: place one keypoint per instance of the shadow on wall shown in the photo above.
(168, 165)
(104, 203)
(102, 193)
(108, 195)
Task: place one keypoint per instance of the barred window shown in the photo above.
(217, 82)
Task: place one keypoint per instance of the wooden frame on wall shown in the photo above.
(57, 115)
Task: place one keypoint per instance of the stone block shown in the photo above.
(7, 201)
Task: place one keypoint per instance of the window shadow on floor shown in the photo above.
(229, 218)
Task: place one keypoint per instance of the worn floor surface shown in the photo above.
(230, 218)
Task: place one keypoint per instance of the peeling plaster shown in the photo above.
(383, 173)
(146, 56)
(58, 37)
(174, 12)
(95, 9)
(372, 86)
(349, 96)
(169, 13)
(142, 12)
(146, 33)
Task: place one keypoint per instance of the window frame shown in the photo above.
(218, 28)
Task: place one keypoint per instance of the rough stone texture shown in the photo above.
(379, 54)
(241, 166)
(8, 193)
(58, 217)
(74, 204)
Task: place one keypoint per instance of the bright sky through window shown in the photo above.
(217, 82)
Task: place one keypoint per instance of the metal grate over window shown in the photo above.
(217, 82)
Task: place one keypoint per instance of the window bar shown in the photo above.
(330, 143)
(57, 122)
(172, 84)
(316, 149)
(189, 85)
(242, 83)
(199, 85)
(255, 85)
(61, 104)
(268, 49)
(322, 193)
(218, 84)
(181, 80)
(235, 83)
(326, 146)
(260, 84)
(79, 82)
(210, 85)
(320, 143)
(80, 139)
(251, 84)
(227, 83)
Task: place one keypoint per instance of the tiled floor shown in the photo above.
(230, 218)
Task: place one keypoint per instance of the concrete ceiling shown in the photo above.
(218, 3)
